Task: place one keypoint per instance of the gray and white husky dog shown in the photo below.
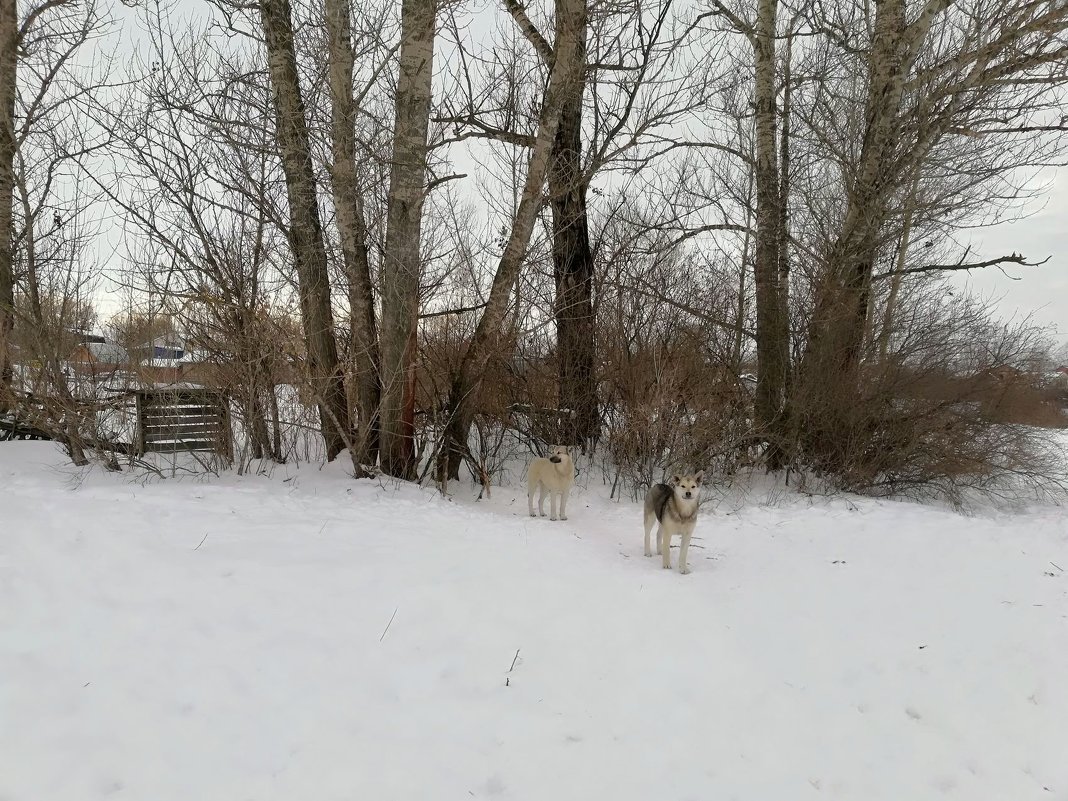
(674, 507)
(553, 476)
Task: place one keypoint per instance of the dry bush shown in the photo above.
(443, 339)
(954, 407)
(674, 350)
(1023, 398)
(671, 407)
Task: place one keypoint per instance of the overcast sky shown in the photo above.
(1040, 291)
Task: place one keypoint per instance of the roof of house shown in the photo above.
(106, 352)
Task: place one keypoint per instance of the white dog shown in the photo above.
(554, 475)
(674, 507)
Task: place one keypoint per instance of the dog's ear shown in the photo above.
(676, 480)
(699, 476)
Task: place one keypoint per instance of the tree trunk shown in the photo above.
(402, 268)
(257, 424)
(902, 253)
(305, 227)
(738, 343)
(829, 370)
(573, 272)
(565, 77)
(352, 230)
(771, 322)
(8, 64)
(784, 212)
(62, 409)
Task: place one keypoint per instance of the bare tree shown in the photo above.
(352, 228)
(44, 209)
(772, 322)
(573, 268)
(402, 265)
(13, 37)
(983, 64)
(9, 44)
(305, 227)
(564, 79)
(572, 255)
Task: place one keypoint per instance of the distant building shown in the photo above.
(159, 362)
(163, 348)
(97, 358)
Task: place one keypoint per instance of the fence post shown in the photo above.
(139, 444)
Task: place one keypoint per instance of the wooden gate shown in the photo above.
(175, 420)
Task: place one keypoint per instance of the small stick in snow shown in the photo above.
(201, 542)
(388, 625)
(507, 681)
(1057, 566)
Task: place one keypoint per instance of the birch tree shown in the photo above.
(352, 228)
(402, 264)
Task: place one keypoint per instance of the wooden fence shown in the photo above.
(174, 420)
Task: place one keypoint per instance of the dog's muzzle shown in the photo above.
(554, 459)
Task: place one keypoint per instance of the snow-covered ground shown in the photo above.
(305, 636)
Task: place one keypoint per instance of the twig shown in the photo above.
(388, 625)
(461, 310)
(514, 658)
(1057, 566)
(206, 536)
(1014, 258)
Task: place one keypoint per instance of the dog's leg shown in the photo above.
(649, 520)
(541, 499)
(530, 499)
(683, 548)
(563, 504)
(659, 536)
(554, 500)
(665, 546)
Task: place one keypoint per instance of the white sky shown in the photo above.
(1040, 291)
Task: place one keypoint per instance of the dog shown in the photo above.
(674, 507)
(553, 475)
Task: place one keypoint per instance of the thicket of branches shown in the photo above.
(714, 233)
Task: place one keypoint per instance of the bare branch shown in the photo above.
(32, 17)
(482, 130)
(531, 32)
(1014, 258)
(444, 179)
(444, 312)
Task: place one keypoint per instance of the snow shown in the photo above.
(302, 635)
